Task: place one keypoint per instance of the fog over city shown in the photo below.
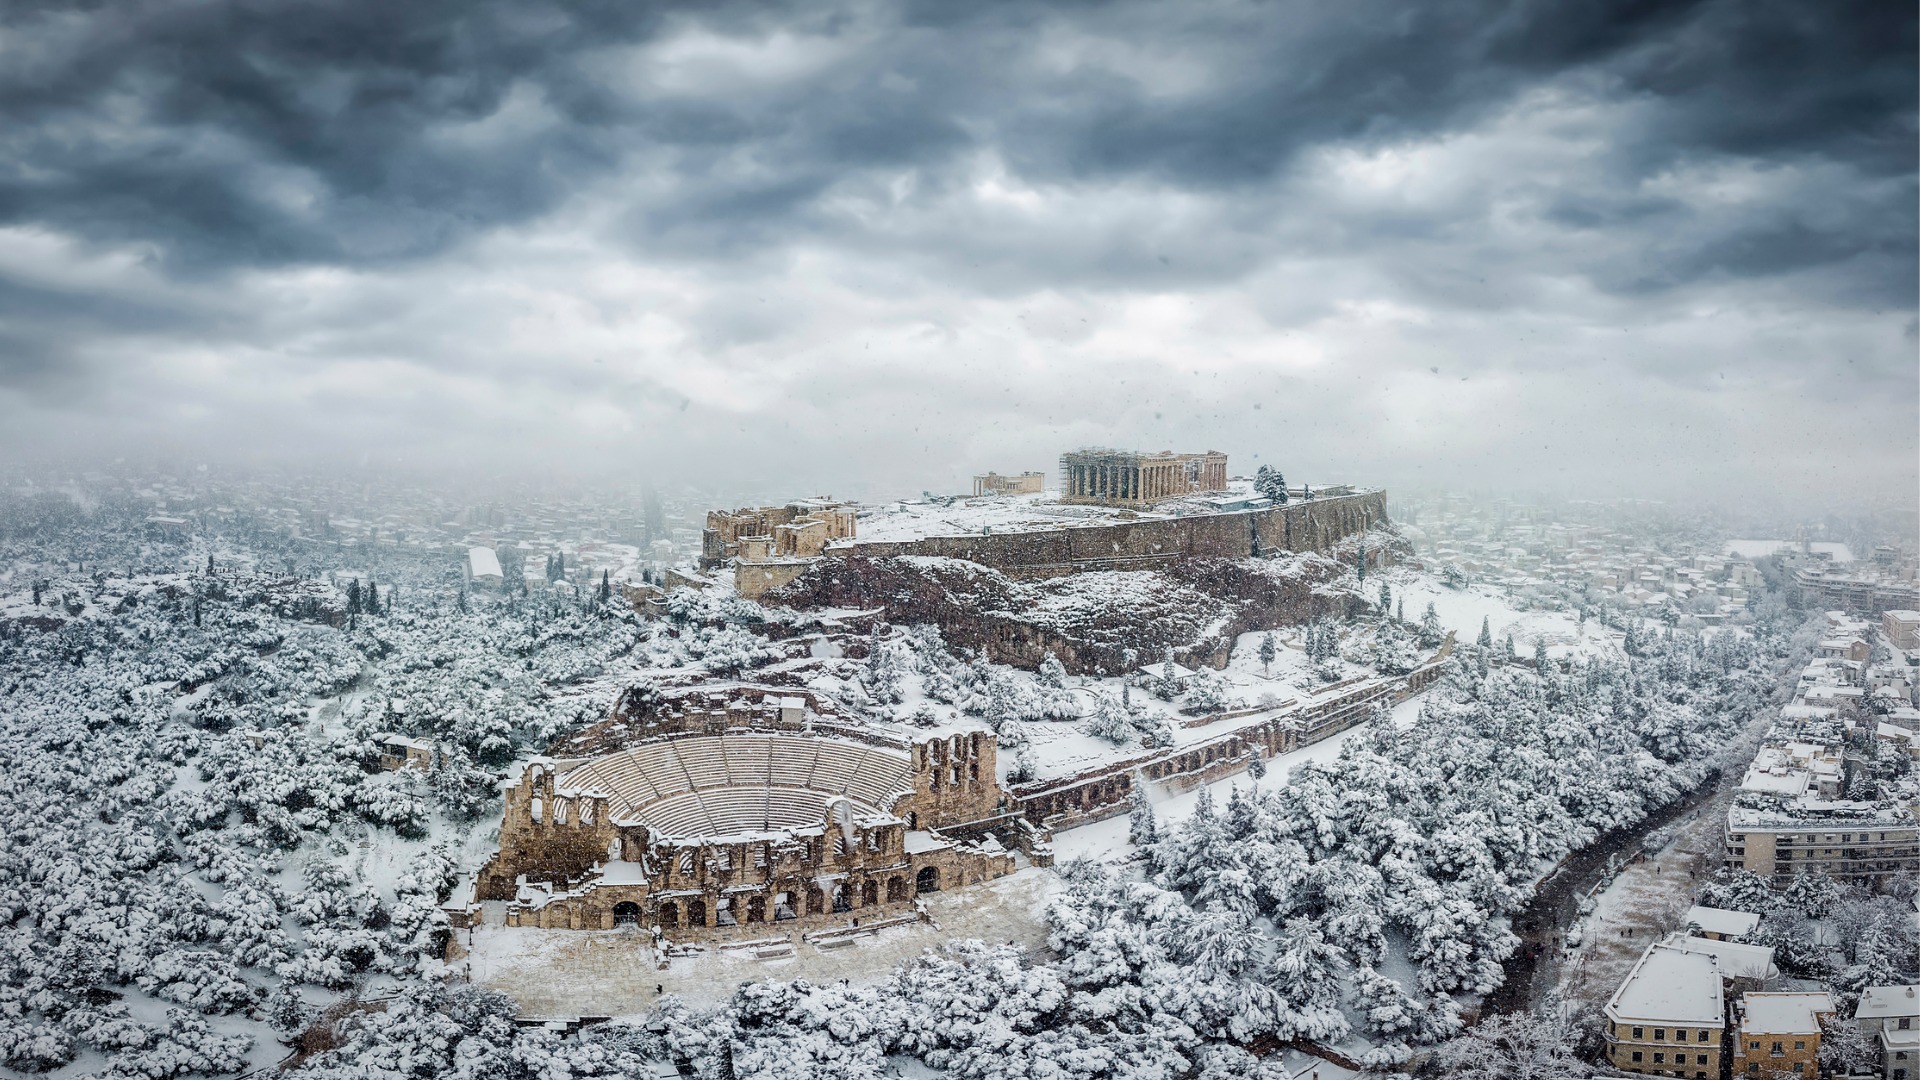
(1622, 249)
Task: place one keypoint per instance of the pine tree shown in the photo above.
(1540, 661)
(1512, 655)
(1142, 829)
(1485, 640)
(1400, 612)
(1267, 652)
(209, 562)
(1386, 600)
(353, 597)
(1360, 558)
(559, 566)
(38, 587)
(460, 603)
(371, 603)
(606, 585)
(1430, 633)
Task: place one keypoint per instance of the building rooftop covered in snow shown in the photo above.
(1668, 1013)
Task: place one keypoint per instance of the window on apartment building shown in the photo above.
(1906, 1022)
(1636, 1055)
(1659, 1034)
(1799, 1066)
(1777, 1051)
(1703, 1036)
(1700, 1059)
(1680, 1035)
(1659, 1058)
(1636, 1033)
(1799, 1045)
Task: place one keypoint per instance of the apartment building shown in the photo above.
(1891, 1015)
(1668, 1016)
(1851, 841)
(1779, 1033)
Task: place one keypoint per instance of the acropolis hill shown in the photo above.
(1212, 538)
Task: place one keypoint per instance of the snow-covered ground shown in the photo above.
(1464, 610)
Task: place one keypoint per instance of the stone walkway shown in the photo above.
(567, 973)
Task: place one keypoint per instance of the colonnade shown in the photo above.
(1136, 482)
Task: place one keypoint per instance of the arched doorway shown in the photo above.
(697, 912)
(840, 902)
(869, 893)
(816, 901)
(896, 890)
(927, 880)
(669, 913)
(756, 909)
(626, 913)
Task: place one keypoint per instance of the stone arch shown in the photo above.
(927, 880)
(626, 913)
(869, 893)
(816, 901)
(896, 890)
(841, 902)
(697, 912)
(669, 913)
(756, 909)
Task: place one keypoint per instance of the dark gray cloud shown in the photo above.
(512, 226)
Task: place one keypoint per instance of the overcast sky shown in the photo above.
(868, 249)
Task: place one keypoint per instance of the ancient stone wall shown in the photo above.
(1101, 793)
(954, 781)
(545, 838)
(1305, 525)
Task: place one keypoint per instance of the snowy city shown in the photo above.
(880, 540)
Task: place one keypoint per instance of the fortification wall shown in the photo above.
(1307, 525)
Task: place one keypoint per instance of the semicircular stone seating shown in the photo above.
(726, 785)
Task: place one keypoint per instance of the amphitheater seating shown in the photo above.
(732, 784)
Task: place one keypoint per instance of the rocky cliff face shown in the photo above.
(1100, 620)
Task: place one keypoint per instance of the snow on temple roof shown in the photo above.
(1671, 985)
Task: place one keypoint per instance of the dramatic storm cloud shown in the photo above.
(1611, 247)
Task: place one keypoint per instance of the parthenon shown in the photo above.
(1131, 478)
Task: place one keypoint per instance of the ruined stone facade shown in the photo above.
(707, 834)
(797, 530)
(1131, 478)
(1027, 483)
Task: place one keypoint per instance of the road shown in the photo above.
(1533, 969)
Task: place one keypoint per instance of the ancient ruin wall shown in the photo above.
(1306, 525)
